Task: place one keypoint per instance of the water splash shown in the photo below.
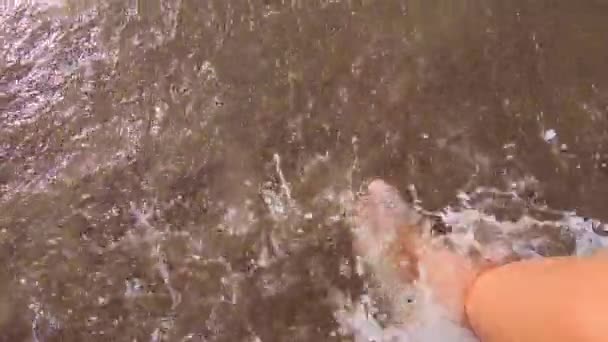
(476, 222)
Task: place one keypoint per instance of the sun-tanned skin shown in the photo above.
(548, 300)
(554, 299)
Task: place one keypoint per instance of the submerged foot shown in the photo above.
(388, 236)
(387, 229)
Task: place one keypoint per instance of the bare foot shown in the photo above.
(387, 229)
(389, 238)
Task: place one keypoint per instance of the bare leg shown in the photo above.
(553, 299)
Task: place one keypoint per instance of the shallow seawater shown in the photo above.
(186, 170)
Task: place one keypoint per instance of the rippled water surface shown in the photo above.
(185, 170)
